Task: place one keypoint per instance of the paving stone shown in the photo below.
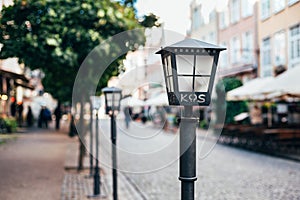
(225, 173)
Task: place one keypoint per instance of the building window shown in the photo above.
(224, 19)
(235, 50)
(295, 46)
(224, 57)
(212, 16)
(212, 37)
(247, 8)
(196, 19)
(266, 66)
(291, 2)
(279, 48)
(235, 11)
(265, 9)
(248, 49)
(278, 5)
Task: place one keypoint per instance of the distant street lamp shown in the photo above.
(189, 69)
(112, 105)
(95, 103)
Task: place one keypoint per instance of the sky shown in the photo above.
(174, 13)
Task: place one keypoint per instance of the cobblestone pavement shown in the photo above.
(75, 186)
(79, 185)
(148, 159)
(31, 167)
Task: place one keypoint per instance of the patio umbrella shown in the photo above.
(132, 101)
(286, 83)
(160, 100)
(250, 90)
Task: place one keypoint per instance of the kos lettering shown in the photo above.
(192, 98)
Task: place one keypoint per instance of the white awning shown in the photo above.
(250, 90)
(287, 83)
(132, 101)
(160, 100)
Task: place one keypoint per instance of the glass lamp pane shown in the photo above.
(116, 104)
(185, 84)
(117, 96)
(168, 65)
(109, 103)
(109, 97)
(185, 64)
(170, 82)
(116, 99)
(201, 84)
(204, 65)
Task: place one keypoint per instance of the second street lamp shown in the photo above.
(112, 106)
(96, 103)
(189, 69)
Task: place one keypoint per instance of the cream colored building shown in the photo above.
(233, 25)
(203, 23)
(278, 35)
(237, 30)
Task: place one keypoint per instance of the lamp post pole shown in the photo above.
(187, 163)
(97, 174)
(112, 101)
(114, 155)
(91, 144)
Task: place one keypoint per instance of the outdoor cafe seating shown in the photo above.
(280, 128)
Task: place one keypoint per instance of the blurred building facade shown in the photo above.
(233, 25)
(262, 36)
(279, 36)
(143, 75)
(237, 29)
(203, 27)
(16, 85)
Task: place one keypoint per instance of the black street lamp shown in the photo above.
(91, 139)
(189, 69)
(112, 106)
(95, 103)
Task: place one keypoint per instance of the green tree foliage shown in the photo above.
(232, 108)
(129, 3)
(230, 84)
(150, 20)
(57, 35)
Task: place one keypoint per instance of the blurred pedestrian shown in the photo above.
(13, 107)
(127, 113)
(57, 113)
(20, 109)
(73, 131)
(44, 117)
(163, 118)
(177, 118)
(29, 117)
(256, 116)
(143, 116)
